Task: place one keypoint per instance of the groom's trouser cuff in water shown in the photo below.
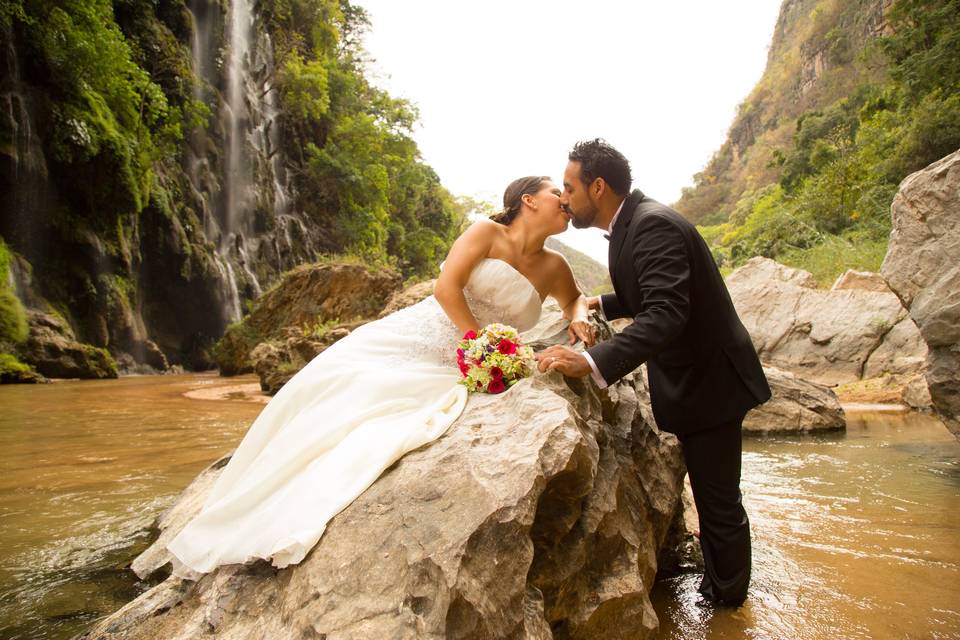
(713, 462)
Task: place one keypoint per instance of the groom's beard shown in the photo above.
(584, 218)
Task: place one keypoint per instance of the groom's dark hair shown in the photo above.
(600, 160)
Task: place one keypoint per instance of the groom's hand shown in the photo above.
(563, 359)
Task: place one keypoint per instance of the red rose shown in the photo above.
(470, 335)
(464, 368)
(506, 347)
(496, 386)
(496, 372)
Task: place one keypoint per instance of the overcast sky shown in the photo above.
(504, 89)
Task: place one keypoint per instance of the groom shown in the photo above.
(704, 373)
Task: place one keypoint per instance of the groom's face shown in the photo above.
(576, 200)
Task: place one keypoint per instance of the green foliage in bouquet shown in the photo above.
(493, 360)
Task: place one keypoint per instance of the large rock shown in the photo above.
(922, 266)
(795, 406)
(539, 514)
(830, 337)
(862, 280)
(278, 360)
(53, 350)
(907, 391)
(311, 299)
(408, 297)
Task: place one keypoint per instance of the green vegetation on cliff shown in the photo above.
(13, 319)
(115, 169)
(362, 177)
(840, 117)
(13, 324)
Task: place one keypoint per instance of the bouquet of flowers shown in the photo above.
(493, 360)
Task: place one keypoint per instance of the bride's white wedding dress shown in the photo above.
(385, 389)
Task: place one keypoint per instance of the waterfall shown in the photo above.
(238, 178)
(242, 192)
(270, 132)
(24, 185)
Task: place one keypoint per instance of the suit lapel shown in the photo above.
(619, 234)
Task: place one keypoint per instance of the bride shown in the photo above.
(385, 389)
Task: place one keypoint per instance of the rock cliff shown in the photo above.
(922, 266)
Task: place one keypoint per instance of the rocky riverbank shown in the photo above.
(541, 509)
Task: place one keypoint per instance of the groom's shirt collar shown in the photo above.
(613, 220)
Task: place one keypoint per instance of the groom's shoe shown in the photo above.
(709, 596)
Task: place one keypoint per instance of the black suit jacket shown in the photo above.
(702, 366)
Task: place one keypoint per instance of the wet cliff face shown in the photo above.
(173, 258)
(163, 162)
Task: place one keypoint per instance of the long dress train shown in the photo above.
(385, 389)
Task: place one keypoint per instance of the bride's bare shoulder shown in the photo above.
(553, 260)
(486, 226)
(481, 232)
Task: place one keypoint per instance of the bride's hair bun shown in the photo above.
(512, 197)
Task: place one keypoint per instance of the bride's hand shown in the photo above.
(582, 330)
(593, 303)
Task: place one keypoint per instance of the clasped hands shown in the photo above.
(563, 358)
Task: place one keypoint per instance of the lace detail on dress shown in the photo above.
(433, 335)
(496, 292)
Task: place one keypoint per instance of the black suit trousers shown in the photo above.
(713, 462)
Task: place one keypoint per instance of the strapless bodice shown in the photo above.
(497, 292)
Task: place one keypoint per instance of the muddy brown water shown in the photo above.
(855, 535)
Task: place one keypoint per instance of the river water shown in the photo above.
(855, 535)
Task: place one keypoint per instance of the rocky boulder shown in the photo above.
(276, 361)
(408, 297)
(922, 266)
(830, 337)
(310, 298)
(795, 406)
(909, 391)
(53, 350)
(862, 280)
(539, 514)
(279, 359)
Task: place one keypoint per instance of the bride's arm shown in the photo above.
(576, 306)
(467, 251)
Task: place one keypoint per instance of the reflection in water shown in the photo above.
(854, 536)
(86, 467)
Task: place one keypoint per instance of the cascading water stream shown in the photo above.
(238, 174)
(250, 180)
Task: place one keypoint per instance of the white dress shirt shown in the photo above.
(594, 371)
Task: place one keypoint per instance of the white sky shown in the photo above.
(504, 89)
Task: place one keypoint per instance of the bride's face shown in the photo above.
(546, 207)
